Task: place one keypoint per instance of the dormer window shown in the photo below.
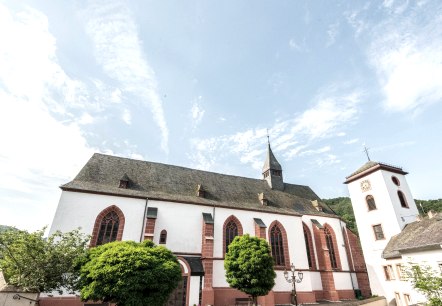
(123, 184)
(264, 201)
(200, 192)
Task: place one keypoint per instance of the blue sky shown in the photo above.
(198, 83)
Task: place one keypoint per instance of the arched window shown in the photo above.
(108, 227)
(231, 232)
(331, 248)
(232, 228)
(402, 199)
(277, 245)
(163, 237)
(309, 248)
(370, 202)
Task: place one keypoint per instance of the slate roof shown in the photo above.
(372, 166)
(102, 174)
(271, 162)
(419, 235)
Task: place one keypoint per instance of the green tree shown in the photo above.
(129, 273)
(427, 281)
(34, 263)
(249, 266)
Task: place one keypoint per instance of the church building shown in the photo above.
(196, 214)
(392, 233)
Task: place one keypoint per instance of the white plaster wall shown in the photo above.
(342, 281)
(316, 280)
(77, 209)
(194, 290)
(403, 215)
(219, 274)
(183, 223)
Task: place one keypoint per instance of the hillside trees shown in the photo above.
(249, 266)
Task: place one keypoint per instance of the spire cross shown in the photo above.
(366, 152)
(268, 137)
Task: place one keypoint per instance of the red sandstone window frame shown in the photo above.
(230, 220)
(378, 233)
(371, 203)
(311, 258)
(331, 242)
(98, 224)
(279, 248)
(163, 237)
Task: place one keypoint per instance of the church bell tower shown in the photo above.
(383, 205)
(272, 171)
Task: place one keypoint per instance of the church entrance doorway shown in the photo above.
(180, 294)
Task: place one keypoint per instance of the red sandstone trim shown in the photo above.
(100, 217)
(310, 246)
(284, 245)
(238, 224)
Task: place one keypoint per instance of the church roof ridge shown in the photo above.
(102, 173)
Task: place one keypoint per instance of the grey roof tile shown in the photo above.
(102, 174)
(419, 235)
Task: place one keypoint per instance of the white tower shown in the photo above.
(383, 205)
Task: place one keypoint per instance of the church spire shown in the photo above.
(272, 170)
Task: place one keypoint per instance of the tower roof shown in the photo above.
(370, 167)
(271, 162)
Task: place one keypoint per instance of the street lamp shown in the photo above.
(293, 279)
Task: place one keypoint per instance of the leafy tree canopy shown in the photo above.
(426, 280)
(34, 263)
(129, 273)
(249, 266)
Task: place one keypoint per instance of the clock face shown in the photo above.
(365, 185)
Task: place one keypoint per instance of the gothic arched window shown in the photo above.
(309, 248)
(163, 237)
(402, 199)
(108, 227)
(231, 232)
(232, 228)
(370, 202)
(277, 245)
(331, 248)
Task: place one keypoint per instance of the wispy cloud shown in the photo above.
(127, 117)
(38, 151)
(331, 112)
(351, 141)
(119, 51)
(296, 46)
(332, 32)
(196, 112)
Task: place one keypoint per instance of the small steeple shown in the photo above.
(272, 171)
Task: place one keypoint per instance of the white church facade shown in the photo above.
(196, 214)
(391, 232)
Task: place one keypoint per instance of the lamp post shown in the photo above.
(293, 279)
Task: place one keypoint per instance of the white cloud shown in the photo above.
(330, 113)
(196, 112)
(351, 141)
(314, 152)
(127, 117)
(332, 32)
(300, 47)
(406, 55)
(119, 51)
(38, 152)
